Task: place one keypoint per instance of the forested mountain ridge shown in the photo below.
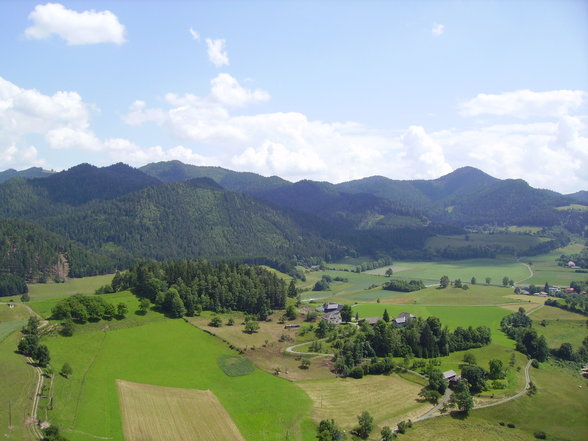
(188, 219)
(35, 254)
(244, 182)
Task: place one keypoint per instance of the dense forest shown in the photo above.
(88, 220)
(190, 286)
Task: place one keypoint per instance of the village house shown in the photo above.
(402, 319)
(329, 307)
(450, 376)
(370, 320)
(333, 317)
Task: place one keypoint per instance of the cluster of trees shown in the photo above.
(325, 283)
(404, 286)
(519, 327)
(566, 352)
(573, 302)
(580, 259)
(29, 344)
(82, 308)
(11, 285)
(187, 287)
(328, 430)
(419, 338)
(383, 261)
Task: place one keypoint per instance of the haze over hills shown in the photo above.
(100, 218)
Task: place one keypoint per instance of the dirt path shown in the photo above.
(530, 272)
(290, 349)
(35, 420)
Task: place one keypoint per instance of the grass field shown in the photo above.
(388, 398)
(167, 353)
(85, 285)
(17, 387)
(576, 207)
(173, 414)
(559, 409)
(561, 326)
(235, 365)
(520, 242)
(431, 272)
(545, 268)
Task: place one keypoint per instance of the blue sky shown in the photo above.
(326, 90)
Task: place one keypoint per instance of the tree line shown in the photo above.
(187, 287)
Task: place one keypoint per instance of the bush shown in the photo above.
(540, 435)
(356, 372)
(510, 426)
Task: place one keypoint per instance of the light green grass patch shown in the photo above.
(520, 242)
(84, 285)
(431, 272)
(234, 365)
(574, 207)
(7, 328)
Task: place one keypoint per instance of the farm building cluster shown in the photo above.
(332, 314)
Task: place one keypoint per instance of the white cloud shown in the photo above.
(195, 34)
(28, 111)
(437, 30)
(20, 158)
(76, 28)
(424, 153)
(217, 53)
(525, 104)
(227, 90)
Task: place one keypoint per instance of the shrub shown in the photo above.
(540, 435)
(356, 372)
(510, 426)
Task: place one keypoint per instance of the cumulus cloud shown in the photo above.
(217, 53)
(525, 104)
(195, 34)
(437, 30)
(227, 90)
(20, 158)
(424, 153)
(76, 28)
(26, 111)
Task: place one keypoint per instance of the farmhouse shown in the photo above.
(541, 294)
(450, 375)
(11, 305)
(370, 320)
(333, 317)
(329, 307)
(571, 264)
(402, 319)
(295, 325)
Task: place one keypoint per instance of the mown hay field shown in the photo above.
(388, 398)
(167, 413)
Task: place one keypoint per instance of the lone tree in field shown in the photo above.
(292, 292)
(386, 316)
(366, 425)
(444, 282)
(144, 304)
(505, 281)
(473, 281)
(389, 272)
(251, 326)
(329, 431)
(462, 398)
(122, 309)
(488, 280)
(387, 434)
(66, 370)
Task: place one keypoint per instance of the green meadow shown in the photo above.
(560, 326)
(520, 242)
(431, 272)
(167, 353)
(545, 268)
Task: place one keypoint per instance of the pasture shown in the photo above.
(168, 353)
(388, 398)
(431, 272)
(520, 242)
(173, 414)
(559, 409)
(560, 326)
(85, 285)
(17, 387)
(546, 269)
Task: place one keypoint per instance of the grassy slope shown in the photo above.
(559, 409)
(170, 353)
(545, 268)
(562, 326)
(520, 242)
